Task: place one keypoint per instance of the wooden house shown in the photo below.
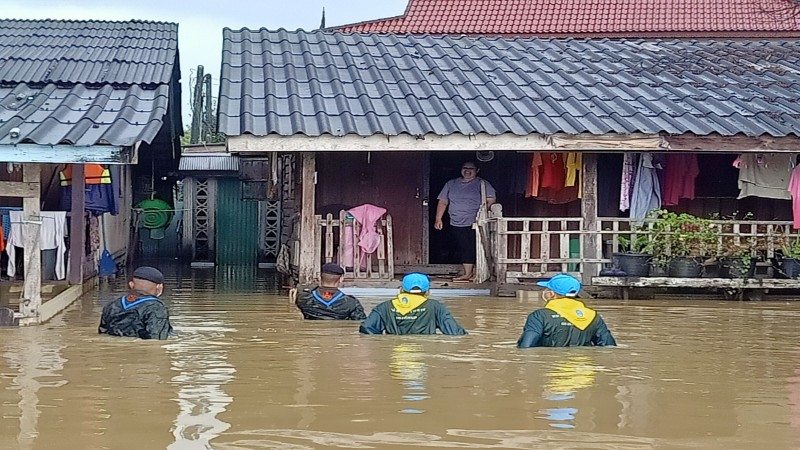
(370, 118)
(80, 93)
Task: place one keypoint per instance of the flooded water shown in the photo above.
(246, 372)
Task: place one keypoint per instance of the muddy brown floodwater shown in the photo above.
(246, 372)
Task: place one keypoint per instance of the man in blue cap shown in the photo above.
(564, 321)
(411, 312)
(140, 313)
(326, 301)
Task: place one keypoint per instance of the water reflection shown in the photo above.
(200, 356)
(407, 365)
(564, 379)
(35, 364)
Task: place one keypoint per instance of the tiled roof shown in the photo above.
(85, 82)
(314, 83)
(606, 17)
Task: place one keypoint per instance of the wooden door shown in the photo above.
(393, 180)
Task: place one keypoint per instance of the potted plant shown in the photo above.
(790, 263)
(682, 241)
(634, 258)
(737, 256)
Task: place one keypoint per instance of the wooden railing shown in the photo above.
(340, 244)
(537, 247)
(527, 248)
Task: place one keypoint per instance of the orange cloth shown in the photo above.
(534, 178)
(2, 240)
(93, 173)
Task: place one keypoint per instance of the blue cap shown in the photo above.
(562, 284)
(416, 283)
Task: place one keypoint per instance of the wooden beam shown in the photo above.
(589, 212)
(77, 226)
(31, 212)
(454, 142)
(19, 189)
(66, 154)
(510, 142)
(733, 144)
(308, 238)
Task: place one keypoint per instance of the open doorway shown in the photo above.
(446, 166)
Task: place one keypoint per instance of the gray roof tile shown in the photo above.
(81, 116)
(296, 82)
(90, 52)
(85, 82)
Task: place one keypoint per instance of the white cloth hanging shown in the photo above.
(52, 232)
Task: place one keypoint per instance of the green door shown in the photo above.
(236, 225)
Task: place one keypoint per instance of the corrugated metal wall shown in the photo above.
(237, 225)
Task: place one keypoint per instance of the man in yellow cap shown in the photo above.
(411, 312)
(564, 321)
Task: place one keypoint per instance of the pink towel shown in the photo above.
(368, 239)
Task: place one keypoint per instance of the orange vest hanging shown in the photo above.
(94, 174)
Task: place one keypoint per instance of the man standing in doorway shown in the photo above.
(462, 197)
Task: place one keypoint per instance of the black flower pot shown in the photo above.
(790, 267)
(633, 264)
(685, 267)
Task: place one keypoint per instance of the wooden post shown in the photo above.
(77, 226)
(308, 240)
(32, 289)
(589, 212)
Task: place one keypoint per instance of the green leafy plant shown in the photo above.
(791, 249)
(680, 235)
(636, 243)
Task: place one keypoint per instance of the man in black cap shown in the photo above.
(140, 313)
(326, 301)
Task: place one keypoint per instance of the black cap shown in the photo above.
(332, 269)
(149, 274)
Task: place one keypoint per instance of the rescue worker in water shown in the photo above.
(140, 313)
(564, 321)
(411, 312)
(326, 301)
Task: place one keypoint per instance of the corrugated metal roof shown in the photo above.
(207, 162)
(85, 82)
(313, 83)
(548, 17)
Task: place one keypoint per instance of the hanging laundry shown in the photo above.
(51, 236)
(101, 190)
(765, 175)
(646, 194)
(553, 170)
(629, 163)
(368, 238)
(534, 178)
(680, 173)
(574, 165)
(794, 190)
(558, 196)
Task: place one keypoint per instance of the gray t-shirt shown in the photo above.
(464, 200)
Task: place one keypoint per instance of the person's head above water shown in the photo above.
(147, 279)
(561, 285)
(331, 275)
(416, 283)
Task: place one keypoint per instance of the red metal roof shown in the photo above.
(590, 17)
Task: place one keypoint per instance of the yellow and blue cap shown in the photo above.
(416, 283)
(562, 284)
